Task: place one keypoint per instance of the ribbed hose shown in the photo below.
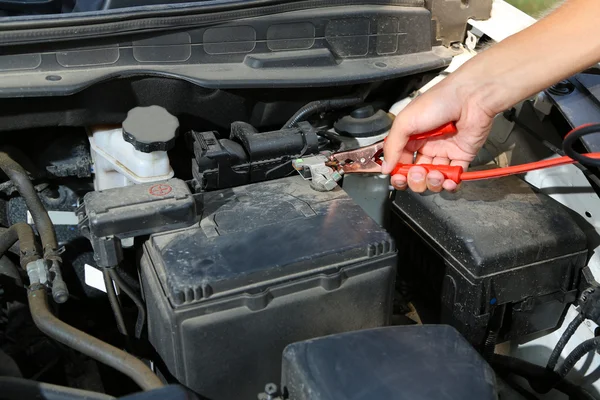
(576, 355)
(114, 302)
(318, 106)
(43, 223)
(24, 234)
(89, 345)
(564, 339)
(141, 318)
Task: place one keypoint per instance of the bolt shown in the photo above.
(362, 160)
(270, 391)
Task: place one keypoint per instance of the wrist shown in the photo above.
(490, 82)
(485, 90)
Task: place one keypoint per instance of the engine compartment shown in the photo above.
(239, 255)
(165, 228)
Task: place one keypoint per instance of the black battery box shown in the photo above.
(496, 256)
(269, 264)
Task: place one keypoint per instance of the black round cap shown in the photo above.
(363, 122)
(150, 129)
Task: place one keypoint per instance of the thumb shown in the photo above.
(396, 141)
(424, 114)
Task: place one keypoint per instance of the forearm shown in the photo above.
(556, 47)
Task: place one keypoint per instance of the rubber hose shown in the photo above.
(114, 302)
(538, 376)
(18, 389)
(564, 339)
(141, 318)
(23, 233)
(89, 345)
(572, 138)
(581, 350)
(132, 282)
(317, 106)
(511, 116)
(43, 223)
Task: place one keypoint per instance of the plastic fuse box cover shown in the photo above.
(496, 242)
(269, 264)
(139, 209)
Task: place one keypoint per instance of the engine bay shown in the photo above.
(165, 237)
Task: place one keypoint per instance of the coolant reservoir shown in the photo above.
(137, 151)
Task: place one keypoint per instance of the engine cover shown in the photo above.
(270, 264)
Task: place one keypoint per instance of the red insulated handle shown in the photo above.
(448, 129)
(449, 171)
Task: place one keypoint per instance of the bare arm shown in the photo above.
(556, 47)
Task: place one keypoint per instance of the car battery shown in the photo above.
(496, 257)
(269, 264)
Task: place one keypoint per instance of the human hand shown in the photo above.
(448, 101)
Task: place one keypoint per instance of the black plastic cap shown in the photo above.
(364, 122)
(150, 129)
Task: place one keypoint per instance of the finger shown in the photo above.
(450, 186)
(434, 181)
(423, 114)
(416, 179)
(399, 182)
(393, 148)
(423, 159)
(440, 161)
(463, 164)
(406, 157)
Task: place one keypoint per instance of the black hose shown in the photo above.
(114, 302)
(538, 377)
(88, 345)
(581, 350)
(511, 116)
(23, 233)
(524, 393)
(131, 281)
(18, 389)
(573, 137)
(564, 339)
(318, 106)
(43, 223)
(141, 318)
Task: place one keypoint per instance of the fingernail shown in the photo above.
(384, 167)
(397, 182)
(435, 182)
(416, 176)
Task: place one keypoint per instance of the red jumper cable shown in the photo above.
(368, 160)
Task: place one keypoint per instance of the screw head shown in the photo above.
(271, 389)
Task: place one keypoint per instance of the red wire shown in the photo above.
(519, 169)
